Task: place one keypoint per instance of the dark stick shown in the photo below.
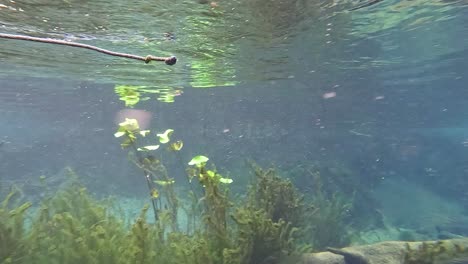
(168, 60)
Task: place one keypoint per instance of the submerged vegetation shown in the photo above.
(271, 222)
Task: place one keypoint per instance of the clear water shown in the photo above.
(376, 98)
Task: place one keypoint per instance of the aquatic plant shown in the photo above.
(216, 204)
(442, 251)
(155, 173)
(328, 225)
(329, 205)
(12, 229)
(72, 227)
(269, 224)
(129, 94)
(259, 238)
(132, 94)
(276, 196)
(336, 194)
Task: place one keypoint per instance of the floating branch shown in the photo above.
(168, 60)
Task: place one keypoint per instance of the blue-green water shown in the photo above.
(375, 100)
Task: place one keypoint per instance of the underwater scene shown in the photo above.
(234, 131)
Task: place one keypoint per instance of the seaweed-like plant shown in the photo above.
(259, 239)
(327, 225)
(216, 204)
(442, 251)
(277, 197)
(267, 225)
(73, 227)
(12, 229)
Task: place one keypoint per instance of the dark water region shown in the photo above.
(364, 111)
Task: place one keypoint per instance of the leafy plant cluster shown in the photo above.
(442, 251)
(269, 225)
(72, 227)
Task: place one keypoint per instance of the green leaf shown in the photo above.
(176, 146)
(165, 183)
(198, 160)
(225, 180)
(211, 173)
(129, 94)
(164, 137)
(129, 124)
(148, 148)
(119, 134)
(132, 137)
(154, 193)
(144, 133)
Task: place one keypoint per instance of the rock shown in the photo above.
(322, 258)
(392, 252)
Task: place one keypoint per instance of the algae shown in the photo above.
(435, 252)
(267, 225)
(12, 229)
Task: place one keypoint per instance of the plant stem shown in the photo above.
(148, 181)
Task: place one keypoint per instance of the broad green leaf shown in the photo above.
(148, 148)
(211, 173)
(198, 160)
(119, 134)
(164, 137)
(129, 124)
(144, 133)
(225, 180)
